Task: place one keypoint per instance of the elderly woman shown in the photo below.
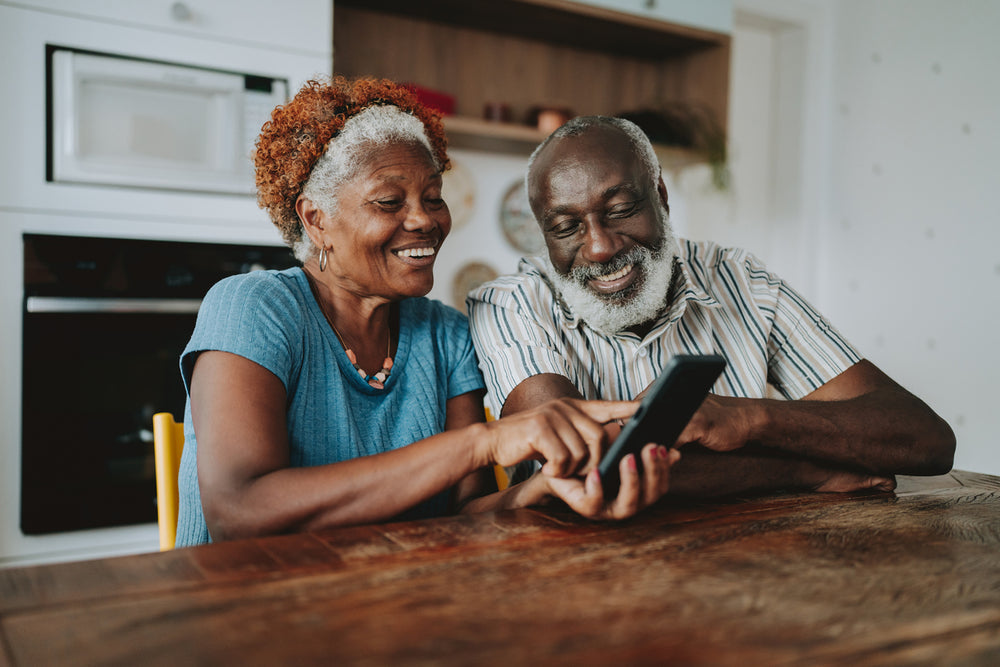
(334, 393)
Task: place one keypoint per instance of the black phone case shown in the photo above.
(663, 413)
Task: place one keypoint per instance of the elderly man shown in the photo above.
(618, 295)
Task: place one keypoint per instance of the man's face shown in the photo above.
(605, 227)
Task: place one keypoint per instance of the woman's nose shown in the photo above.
(419, 219)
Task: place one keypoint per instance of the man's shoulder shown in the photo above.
(706, 263)
(710, 257)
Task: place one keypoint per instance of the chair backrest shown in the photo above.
(503, 480)
(168, 443)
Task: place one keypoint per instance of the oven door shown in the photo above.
(94, 372)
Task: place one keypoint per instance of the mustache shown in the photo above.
(636, 255)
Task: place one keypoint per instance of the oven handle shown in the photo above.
(61, 304)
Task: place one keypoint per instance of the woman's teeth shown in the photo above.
(416, 252)
(616, 275)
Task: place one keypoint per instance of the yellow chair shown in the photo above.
(168, 443)
(503, 481)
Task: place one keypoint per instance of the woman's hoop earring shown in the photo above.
(322, 259)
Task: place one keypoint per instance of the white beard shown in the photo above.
(642, 303)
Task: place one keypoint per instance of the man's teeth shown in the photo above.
(416, 252)
(616, 275)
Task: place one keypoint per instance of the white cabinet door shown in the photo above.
(302, 26)
(715, 15)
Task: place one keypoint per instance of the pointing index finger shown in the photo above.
(608, 411)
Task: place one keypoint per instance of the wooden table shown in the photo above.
(880, 579)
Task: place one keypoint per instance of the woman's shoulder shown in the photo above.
(430, 318)
(260, 281)
(266, 286)
(431, 310)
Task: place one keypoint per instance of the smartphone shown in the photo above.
(663, 413)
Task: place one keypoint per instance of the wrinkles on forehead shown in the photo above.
(584, 171)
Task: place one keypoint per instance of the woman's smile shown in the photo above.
(419, 256)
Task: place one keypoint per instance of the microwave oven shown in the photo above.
(123, 121)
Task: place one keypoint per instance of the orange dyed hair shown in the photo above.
(298, 134)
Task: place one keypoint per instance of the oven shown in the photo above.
(104, 323)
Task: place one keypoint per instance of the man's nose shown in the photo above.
(600, 245)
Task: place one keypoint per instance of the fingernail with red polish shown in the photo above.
(631, 462)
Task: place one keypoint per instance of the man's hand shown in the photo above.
(586, 495)
(833, 480)
(721, 424)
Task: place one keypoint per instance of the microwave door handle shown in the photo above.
(60, 304)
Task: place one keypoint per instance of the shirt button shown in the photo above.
(642, 352)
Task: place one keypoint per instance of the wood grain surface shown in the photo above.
(876, 579)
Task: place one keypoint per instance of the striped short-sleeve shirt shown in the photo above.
(723, 301)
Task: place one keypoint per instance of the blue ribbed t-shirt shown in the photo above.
(272, 318)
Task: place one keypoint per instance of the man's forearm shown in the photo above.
(702, 473)
(860, 420)
(882, 432)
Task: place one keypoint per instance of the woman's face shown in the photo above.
(389, 224)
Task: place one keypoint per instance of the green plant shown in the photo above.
(687, 126)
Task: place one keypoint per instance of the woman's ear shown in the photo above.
(312, 218)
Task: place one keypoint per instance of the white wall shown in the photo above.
(891, 228)
(480, 238)
(909, 260)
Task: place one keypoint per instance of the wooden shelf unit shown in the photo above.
(531, 53)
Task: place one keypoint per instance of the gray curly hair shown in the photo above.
(374, 127)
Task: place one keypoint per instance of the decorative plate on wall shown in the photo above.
(458, 189)
(518, 222)
(469, 277)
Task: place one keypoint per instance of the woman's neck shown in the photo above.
(363, 323)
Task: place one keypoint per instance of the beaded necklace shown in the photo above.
(378, 379)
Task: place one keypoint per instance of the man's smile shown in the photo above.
(615, 281)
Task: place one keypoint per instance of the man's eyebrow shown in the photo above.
(554, 211)
(569, 209)
(627, 188)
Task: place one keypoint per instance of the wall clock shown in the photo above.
(468, 278)
(518, 222)
(458, 189)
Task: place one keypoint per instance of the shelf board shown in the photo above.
(477, 134)
(558, 22)
(467, 132)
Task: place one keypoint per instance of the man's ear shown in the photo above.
(312, 219)
(661, 189)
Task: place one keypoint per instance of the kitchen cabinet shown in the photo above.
(526, 54)
(294, 26)
(290, 40)
(714, 15)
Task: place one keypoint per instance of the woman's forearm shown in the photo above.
(362, 490)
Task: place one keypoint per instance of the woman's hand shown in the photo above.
(567, 434)
(586, 496)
